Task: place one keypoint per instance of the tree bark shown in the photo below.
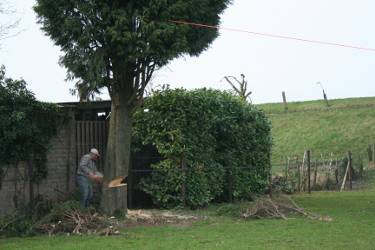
(118, 153)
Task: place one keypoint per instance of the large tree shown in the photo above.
(118, 44)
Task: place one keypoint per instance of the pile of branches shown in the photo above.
(279, 207)
(79, 222)
(57, 218)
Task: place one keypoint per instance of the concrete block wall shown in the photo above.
(61, 166)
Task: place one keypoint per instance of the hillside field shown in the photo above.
(348, 124)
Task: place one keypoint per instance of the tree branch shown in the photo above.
(231, 84)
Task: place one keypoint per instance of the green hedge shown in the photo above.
(215, 146)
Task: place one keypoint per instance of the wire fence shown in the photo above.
(336, 172)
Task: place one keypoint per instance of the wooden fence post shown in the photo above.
(315, 173)
(337, 173)
(287, 169)
(350, 170)
(303, 180)
(284, 101)
(308, 172)
(299, 174)
(360, 167)
(344, 180)
(325, 98)
(369, 152)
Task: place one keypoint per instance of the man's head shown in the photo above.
(94, 153)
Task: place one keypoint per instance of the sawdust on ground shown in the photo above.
(159, 217)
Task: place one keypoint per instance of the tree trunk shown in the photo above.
(118, 153)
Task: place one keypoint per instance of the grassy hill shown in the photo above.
(348, 124)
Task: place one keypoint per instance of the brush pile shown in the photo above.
(73, 221)
(77, 222)
(280, 207)
(58, 218)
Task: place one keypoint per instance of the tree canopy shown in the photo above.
(101, 38)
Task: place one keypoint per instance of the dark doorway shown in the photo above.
(141, 168)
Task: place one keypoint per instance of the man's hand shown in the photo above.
(96, 178)
(99, 178)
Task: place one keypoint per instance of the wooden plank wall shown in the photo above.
(91, 134)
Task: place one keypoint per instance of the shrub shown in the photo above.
(16, 225)
(281, 185)
(215, 146)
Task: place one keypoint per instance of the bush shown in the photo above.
(281, 185)
(55, 217)
(16, 225)
(215, 146)
(24, 223)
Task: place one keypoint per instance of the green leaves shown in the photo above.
(129, 34)
(26, 125)
(216, 146)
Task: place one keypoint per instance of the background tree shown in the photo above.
(7, 23)
(118, 45)
(239, 87)
(85, 92)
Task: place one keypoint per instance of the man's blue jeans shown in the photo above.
(85, 188)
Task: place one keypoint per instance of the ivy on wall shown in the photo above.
(26, 127)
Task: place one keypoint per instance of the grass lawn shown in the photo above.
(353, 227)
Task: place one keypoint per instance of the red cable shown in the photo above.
(271, 35)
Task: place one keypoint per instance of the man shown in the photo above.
(87, 174)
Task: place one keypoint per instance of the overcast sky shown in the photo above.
(271, 65)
